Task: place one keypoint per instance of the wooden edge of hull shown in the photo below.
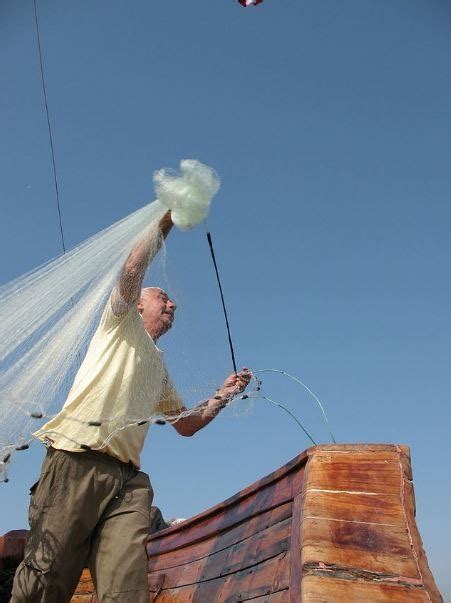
(336, 523)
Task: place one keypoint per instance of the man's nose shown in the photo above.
(172, 304)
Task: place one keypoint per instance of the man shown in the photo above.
(91, 504)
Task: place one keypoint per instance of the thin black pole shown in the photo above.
(210, 243)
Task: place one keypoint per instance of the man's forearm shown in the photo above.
(142, 254)
(199, 416)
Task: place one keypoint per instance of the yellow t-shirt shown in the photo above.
(121, 380)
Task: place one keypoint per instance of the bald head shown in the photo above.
(146, 291)
(157, 311)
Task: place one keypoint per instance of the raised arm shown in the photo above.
(132, 275)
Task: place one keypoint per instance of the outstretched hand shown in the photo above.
(235, 384)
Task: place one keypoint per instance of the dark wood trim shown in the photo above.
(222, 507)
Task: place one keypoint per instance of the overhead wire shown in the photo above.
(209, 239)
(44, 91)
(55, 179)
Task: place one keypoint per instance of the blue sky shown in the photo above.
(329, 124)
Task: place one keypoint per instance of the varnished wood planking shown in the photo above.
(250, 552)
(217, 542)
(371, 472)
(364, 546)
(263, 579)
(361, 507)
(345, 485)
(328, 590)
(336, 470)
(272, 495)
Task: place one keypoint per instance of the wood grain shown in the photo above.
(354, 472)
(359, 537)
(269, 497)
(263, 579)
(337, 523)
(248, 553)
(218, 542)
(326, 590)
(372, 547)
(361, 507)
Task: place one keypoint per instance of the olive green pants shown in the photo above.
(87, 509)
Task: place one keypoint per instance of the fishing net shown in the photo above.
(49, 315)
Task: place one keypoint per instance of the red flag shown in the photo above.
(249, 2)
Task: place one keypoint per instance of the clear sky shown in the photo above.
(330, 125)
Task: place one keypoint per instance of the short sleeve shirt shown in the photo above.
(121, 381)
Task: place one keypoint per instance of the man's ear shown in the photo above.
(140, 306)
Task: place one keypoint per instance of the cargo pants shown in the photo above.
(87, 509)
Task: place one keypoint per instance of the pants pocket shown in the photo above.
(41, 547)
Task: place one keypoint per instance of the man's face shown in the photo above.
(156, 309)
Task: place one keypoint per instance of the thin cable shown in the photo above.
(210, 243)
(271, 370)
(55, 179)
(291, 415)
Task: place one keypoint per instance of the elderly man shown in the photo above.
(91, 504)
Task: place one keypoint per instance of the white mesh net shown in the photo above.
(50, 314)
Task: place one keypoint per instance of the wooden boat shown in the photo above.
(337, 523)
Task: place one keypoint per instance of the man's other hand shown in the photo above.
(235, 384)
